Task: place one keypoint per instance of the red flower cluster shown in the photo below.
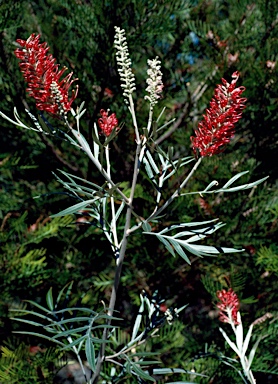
(217, 128)
(107, 123)
(229, 306)
(44, 77)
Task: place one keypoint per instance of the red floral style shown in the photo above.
(217, 128)
(229, 306)
(44, 77)
(107, 123)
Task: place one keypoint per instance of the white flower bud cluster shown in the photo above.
(154, 81)
(124, 63)
(57, 97)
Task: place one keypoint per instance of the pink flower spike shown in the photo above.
(44, 77)
(107, 123)
(217, 128)
(229, 306)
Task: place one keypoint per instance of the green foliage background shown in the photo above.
(198, 42)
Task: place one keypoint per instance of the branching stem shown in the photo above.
(176, 193)
(118, 271)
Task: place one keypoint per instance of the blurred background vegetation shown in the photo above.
(198, 43)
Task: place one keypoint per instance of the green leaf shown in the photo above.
(167, 244)
(181, 309)
(30, 322)
(146, 226)
(212, 184)
(108, 317)
(71, 320)
(81, 340)
(49, 299)
(144, 354)
(234, 178)
(166, 371)
(104, 326)
(138, 321)
(82, 141)
(75, 208)
(141, 373)
(82, 309)
(119, 210)
(37, 305)
(149, 170)
(179, 250)
(229, 341)
(152, 162)
(97, 143)
(26, 312)
(253, 351)
(42, 336)
(182, 225)
(242, 187)
(143, 363)
(160, 115)
(182, 382)
(71, 332)
(78, 341)
(90, 354)
(247, 340)
(71, 177)
(69, 286)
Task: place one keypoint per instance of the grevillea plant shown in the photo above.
(82, 329)
(229, 313)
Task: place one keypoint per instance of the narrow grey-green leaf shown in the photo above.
(71, 320)
(167, 245)
(81, 340)
(149, 170)
(82, 141)
(75, 342)
(71, 332)
(37, 305)
(244, 186)
(30, 322)
(253, 351)
(137, 321)
(81, 179)
(212, 184)
(179, 250)
(26, 312)
(141, 373)
(146, 226)
(234, 178)
(40, 335)
(143, 363)
(82, 309)
(181, 309)
(49, 299)
(247, 340)
(166, 371)
(152, 162)
(90, 354)
(69, 286)
(74, 208)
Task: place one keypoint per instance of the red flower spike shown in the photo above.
(107, 123)
(44, 77)
(217, 128)
(229, 306)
